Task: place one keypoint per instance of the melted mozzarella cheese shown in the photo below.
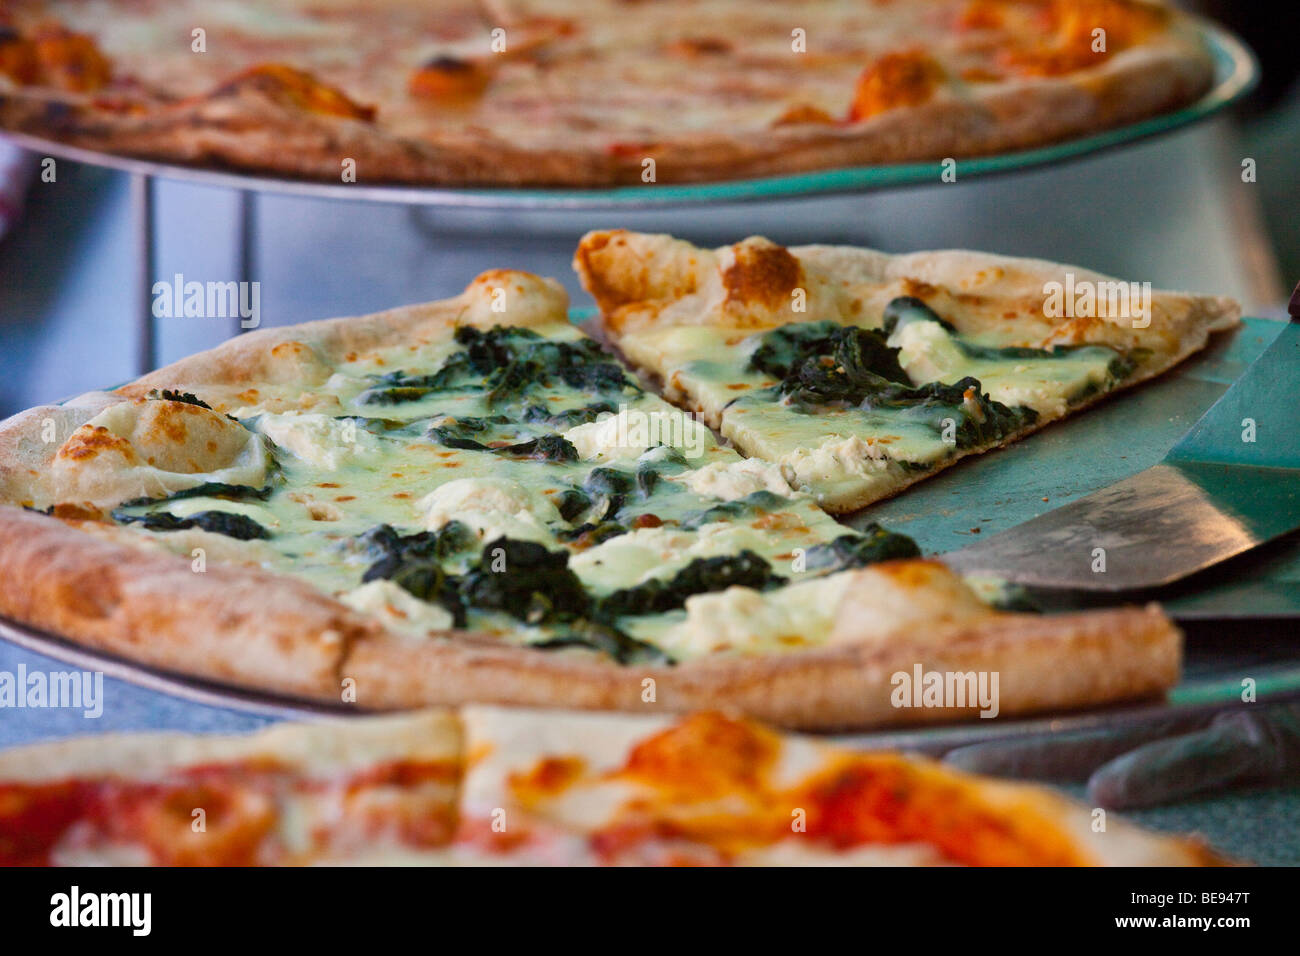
(493, 507)
(733, 480)
(930, 353)
(397, 608)
(745, 620)
(644, 553)
(633, 431)
(328, 443)
(835, 461)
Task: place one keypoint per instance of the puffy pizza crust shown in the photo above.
(1050, 663)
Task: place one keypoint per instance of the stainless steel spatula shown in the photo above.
(1230, 484)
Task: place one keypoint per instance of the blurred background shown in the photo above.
(1174, 211)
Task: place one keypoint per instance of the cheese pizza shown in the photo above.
(859, 373)
(471, 501)
(496, 786)
(562, 92)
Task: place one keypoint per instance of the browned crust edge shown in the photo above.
(229, 624)
(270, 632)
(252, 133)
(1045, 663)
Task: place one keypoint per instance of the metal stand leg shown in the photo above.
(142, 198)
(246, 245)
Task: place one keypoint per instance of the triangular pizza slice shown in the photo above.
(860, 373)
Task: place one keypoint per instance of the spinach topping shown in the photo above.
(455, 432)
(571, 503)
(932, 403)
(646, 479)
(858, 550)
(591, 533)
(829, 365)
(607, 489)
(520, 578)
(170, 395)
(545, 448)
(237, 526)
(505, 362)
(209, 489)
(608, 639)
(751, 505)
(907, 309)
(414, 562)
(527, 581)
(535, 414)
(655, 596)
(828, 354)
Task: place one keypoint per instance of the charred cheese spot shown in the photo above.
(1068, 43)
(151, 447)
(803, 114)
(690, 48)
(53, 56)
(297, 89)
(17, 57)
(895, 80)
(705, 755)
(548, 777)
(449, 79)
(89, 441)
(76, 512)
(763, 273)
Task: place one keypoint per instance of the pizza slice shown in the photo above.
(709, 789)
(497, 786)
(471, 501)
(362, 791)
(859, 373)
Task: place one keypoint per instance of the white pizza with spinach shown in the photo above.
(860, 373)
(472, 501)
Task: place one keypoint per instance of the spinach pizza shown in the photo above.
(472, 501)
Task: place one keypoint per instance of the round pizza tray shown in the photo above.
(1235, 73)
